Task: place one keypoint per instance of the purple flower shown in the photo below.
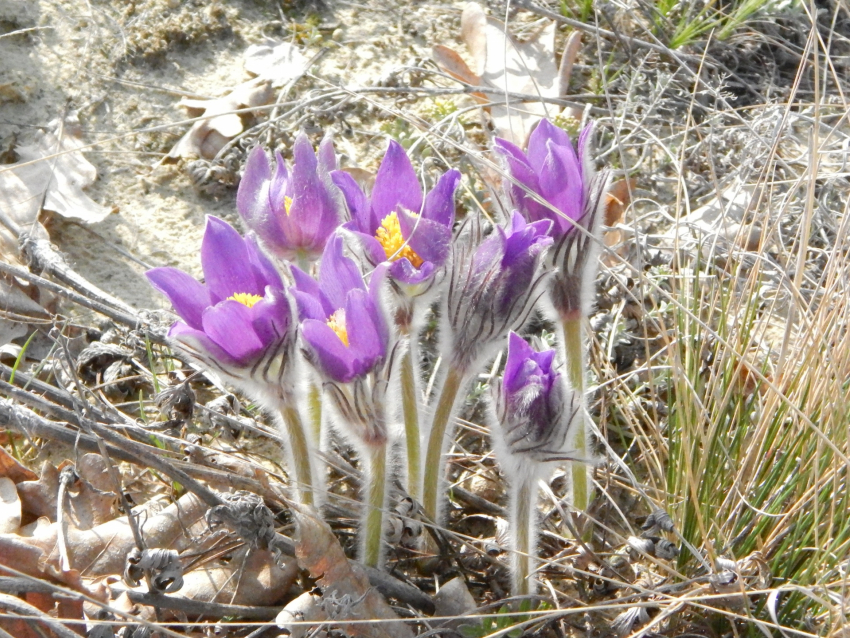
(493, 288)
(554, 171)
(534, 409)
(342, 323)
(396, 225)
(563, 176)
(294, 213)
(240, 314)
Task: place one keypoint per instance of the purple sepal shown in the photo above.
(554, 171)
(217, 323)
(341, 288)
(314, 210)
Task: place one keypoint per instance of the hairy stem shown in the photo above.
(523, 534)
(314, 406)
(434, 468)
(574, 347)
(300, 452)
(410, 409)
(373, 523)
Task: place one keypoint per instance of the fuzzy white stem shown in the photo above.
(374, 505)
(523, 526)
(574, 350)
(434, 468)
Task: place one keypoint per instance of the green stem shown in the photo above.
(434, 469)
(522, 520)
(300, 453)
(410, 410)
(373, 525)
(314, 405)
(574, 347)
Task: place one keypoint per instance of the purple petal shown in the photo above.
(308, 297)
(358, 205)
(376, 282)
(518, 352)
(332, 357)
(229, 324)
(280, 186)
(540, 138)
(272, 316)
(264, 271)
(403, 271)
(429, 239)
(255, 199)
(197, 340)
(257, 174)
(338, 274)
(371, 246)
(309, 307)
(188, 296)
(327, 155)
(396, 184)
(440, 202)
(225, 261)
(364, 333)
(560, 182)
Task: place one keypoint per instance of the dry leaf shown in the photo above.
(51, 174)
(10, 507)
(11, 468)
(277, 62)
(208, 136)
(307, 608)
(454, 65)
(347, 593)
(255, 580)
(617, 200)
(38, 497)
(506, 64)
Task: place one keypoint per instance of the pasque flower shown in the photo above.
(293, 212)
(240, 314)
(396, 223)
(534, 410)
(343, 326)
(531, 422)
(347, 340)
(239, 324)
(573, 198)
(493, 288)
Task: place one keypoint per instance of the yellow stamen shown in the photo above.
(245, 298)
(390, 237)
(336, 322)
(287, 204)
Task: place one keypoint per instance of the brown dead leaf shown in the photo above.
(617, 200)
(454, 65)
(10, 507)
(208, 136)
(51, 174)
(509, 65)
(307, 608)
(38, 497)
(10, 468)
(343, 582)
(255, 580)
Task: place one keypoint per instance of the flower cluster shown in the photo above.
(322, 299)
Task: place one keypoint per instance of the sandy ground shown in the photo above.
(123, 67)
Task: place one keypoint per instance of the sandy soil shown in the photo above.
(123, 67)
